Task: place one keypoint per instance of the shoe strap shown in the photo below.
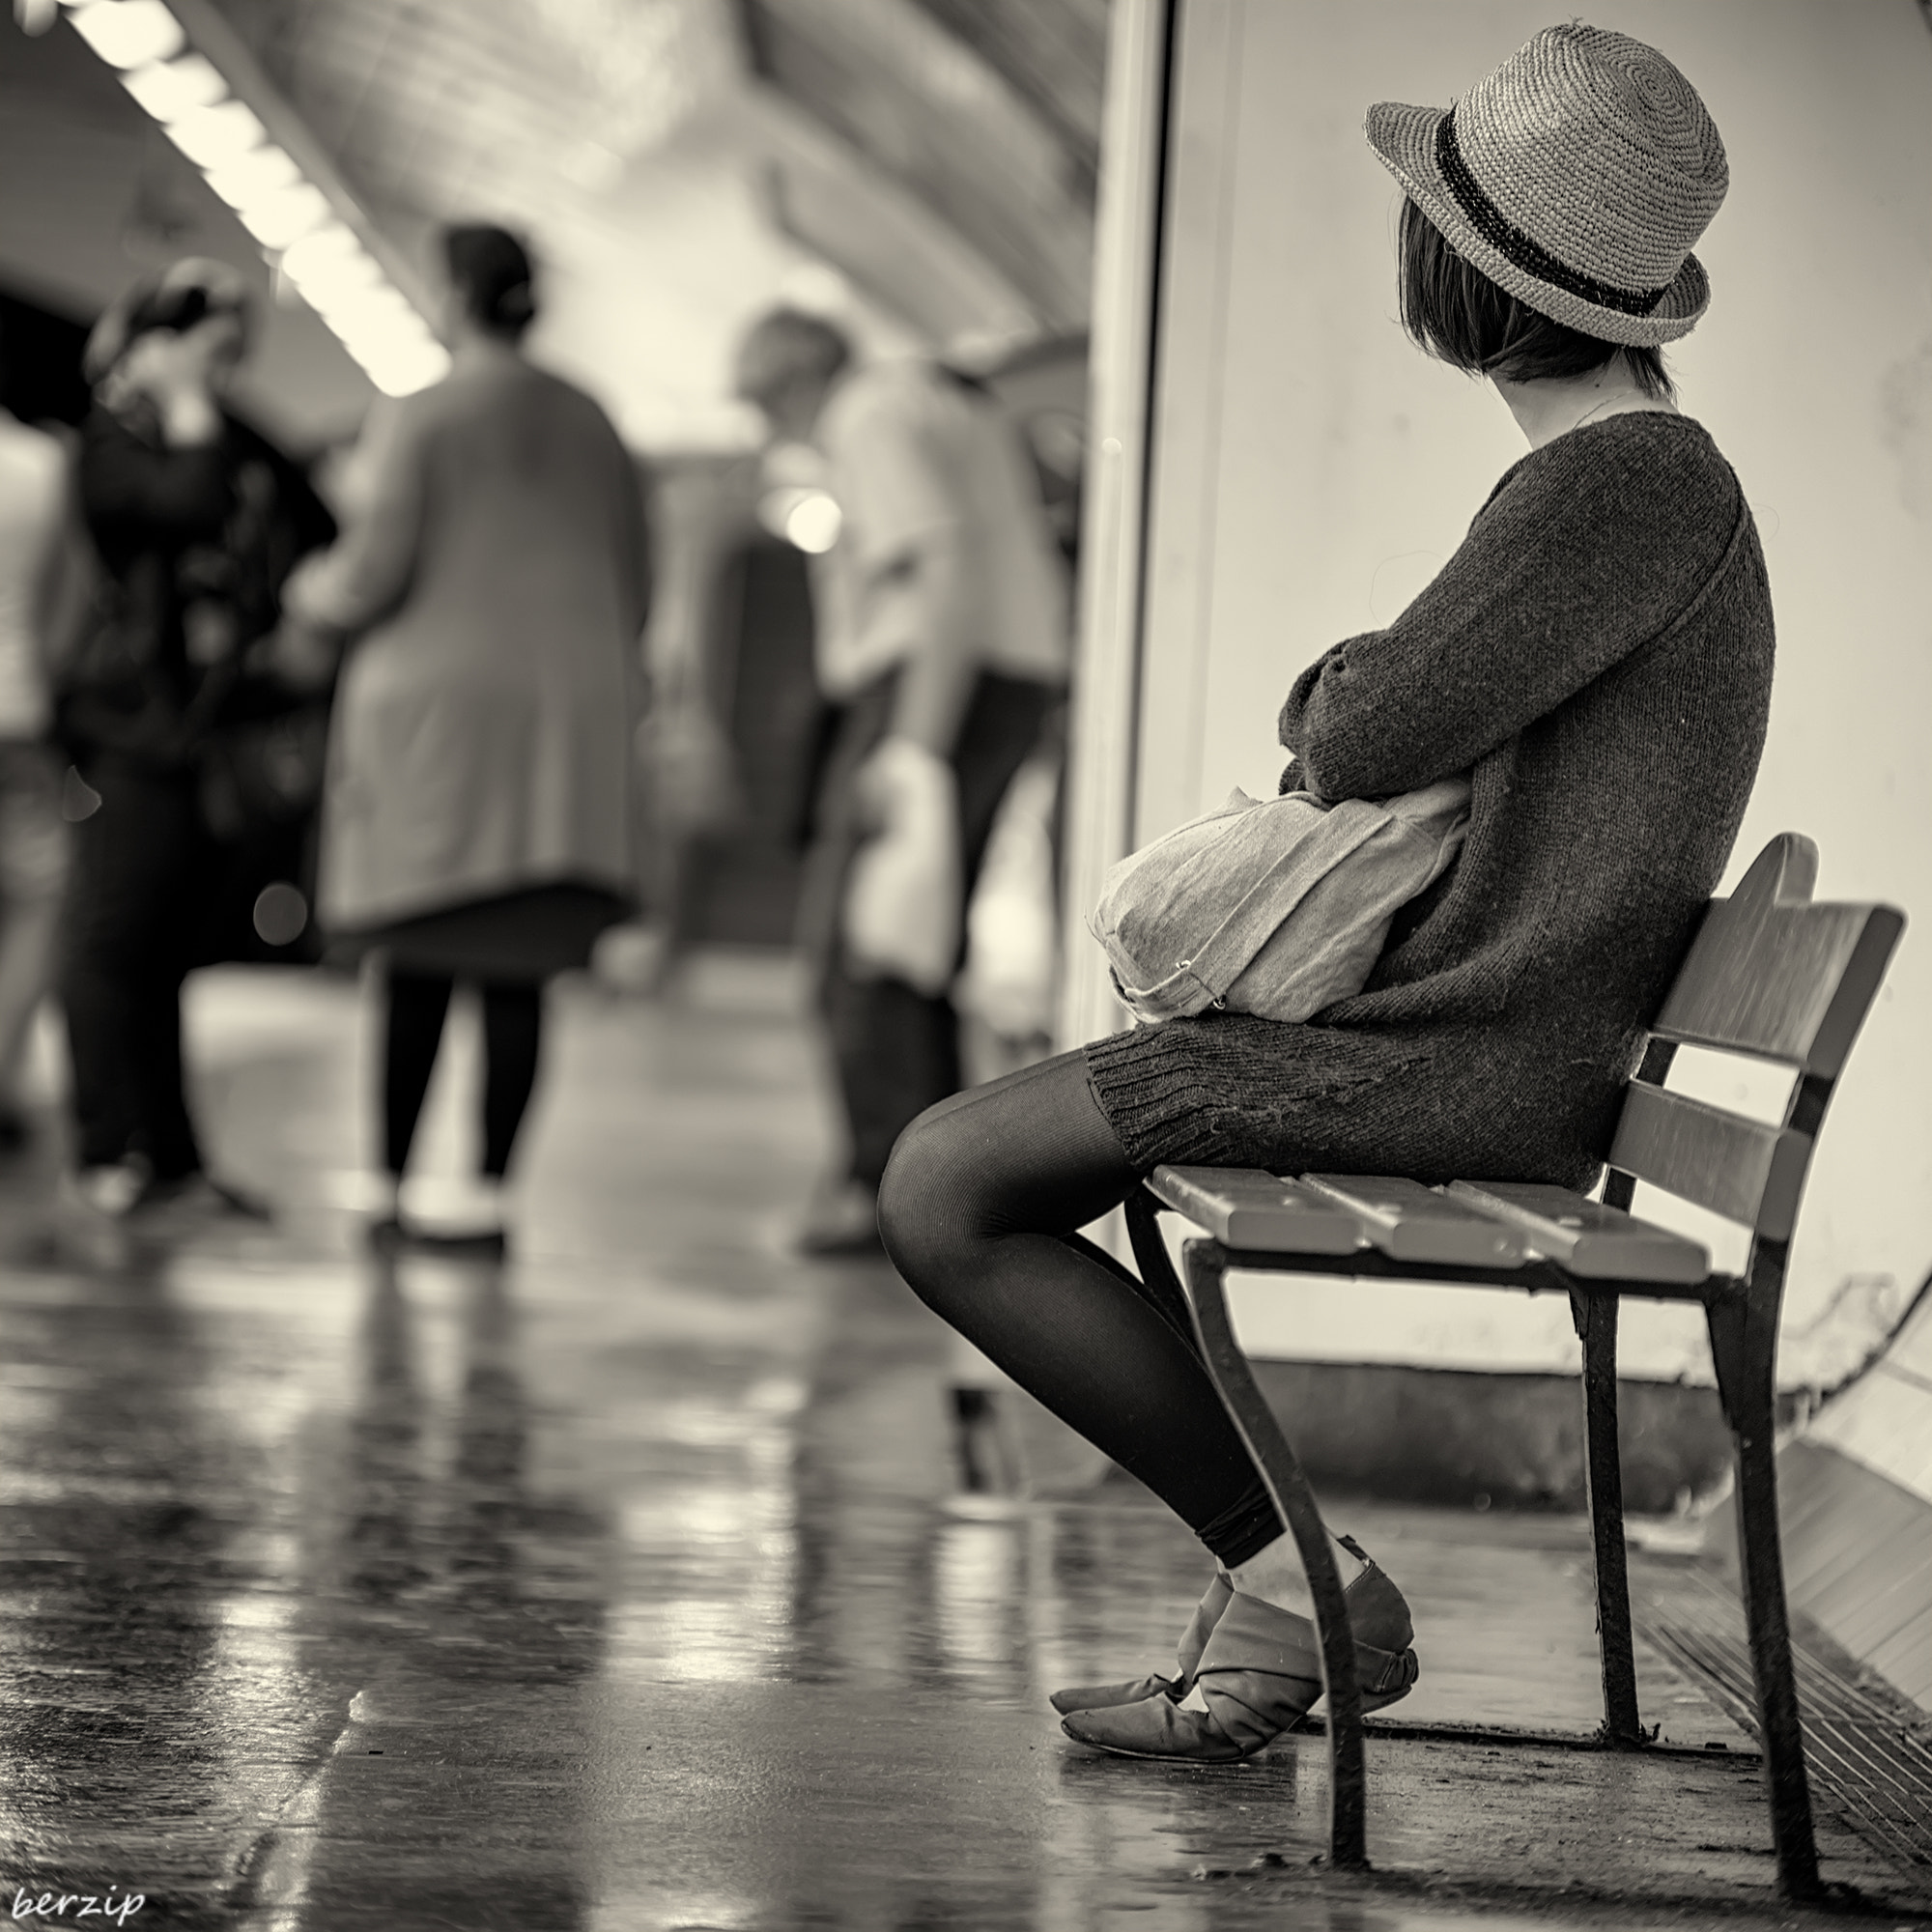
(1256, 1635)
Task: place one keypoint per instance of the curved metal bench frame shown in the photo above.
(1771, 976)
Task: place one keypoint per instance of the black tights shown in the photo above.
(512, 1033)
(979, 1210)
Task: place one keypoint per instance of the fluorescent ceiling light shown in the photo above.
(351, 289)
(288, 214)
(282, 218)
(376, 321)
(318, 253)
(254, 177)
(211, 136)
(170, 88)
(404, 374)
(371, 315)
(128, 33)
(396, 346)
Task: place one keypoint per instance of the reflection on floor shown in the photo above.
(629, 1586)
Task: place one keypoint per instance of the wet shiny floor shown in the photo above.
(630, 1585)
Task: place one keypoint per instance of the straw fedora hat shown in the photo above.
(1578, 175)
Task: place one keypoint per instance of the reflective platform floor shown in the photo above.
(631, 1583)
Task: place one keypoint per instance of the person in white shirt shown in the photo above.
(941, 614)
(37, 587)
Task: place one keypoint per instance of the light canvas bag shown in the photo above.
(904, 898)
(1277, 907)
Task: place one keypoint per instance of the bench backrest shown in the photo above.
(1775, 977)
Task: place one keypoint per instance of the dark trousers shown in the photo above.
(896, 1050)
(144, 867)
(418, 1002)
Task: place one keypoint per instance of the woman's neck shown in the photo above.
(1545, 411)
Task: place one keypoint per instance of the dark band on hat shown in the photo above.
(1508, 240)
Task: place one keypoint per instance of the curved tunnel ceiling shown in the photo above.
(987, 113)
(982, 115)
(680, 163)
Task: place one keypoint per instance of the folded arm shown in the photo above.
(1560, 577)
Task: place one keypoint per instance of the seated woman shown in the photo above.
(1598, 656)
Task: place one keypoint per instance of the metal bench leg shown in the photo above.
(1207, 1264)
(1743, 1341)
(1596, 1318)
(1157, 1274)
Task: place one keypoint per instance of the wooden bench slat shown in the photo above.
(1409, 1222)
(1249, 1208)
(1596, 1242)
(1771, 974)
(1744, 1170)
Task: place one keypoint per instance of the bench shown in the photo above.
(1768, 975)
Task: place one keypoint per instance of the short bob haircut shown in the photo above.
(1455, 312)
(490, 271)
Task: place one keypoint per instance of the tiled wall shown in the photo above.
(1855, 1500)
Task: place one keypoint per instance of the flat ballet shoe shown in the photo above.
(1259, 1676)
(1188, 1656)
(1366, 1599)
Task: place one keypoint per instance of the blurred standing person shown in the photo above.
(943, 638)
(196, 520)
(476, 819)
(40, 575)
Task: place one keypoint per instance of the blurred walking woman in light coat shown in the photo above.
(476, 821)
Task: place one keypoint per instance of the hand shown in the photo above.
(305, 595)
(182, 373)
(302, 655)
(300, 583)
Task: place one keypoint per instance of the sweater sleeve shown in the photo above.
(1582, 555)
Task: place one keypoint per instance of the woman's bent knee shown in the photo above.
(917, 1200)
(1029, 1154)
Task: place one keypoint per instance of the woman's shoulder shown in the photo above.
(484, 390)
(1650, 478)
(1645, 449)
(556, 399)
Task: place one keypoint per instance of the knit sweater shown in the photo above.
(1598, 655)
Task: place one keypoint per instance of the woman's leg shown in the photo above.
(418, 1005)
(121, 977)
(979, 1210)
(512, 1040)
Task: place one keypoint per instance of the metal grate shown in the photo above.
(1872, 1760)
